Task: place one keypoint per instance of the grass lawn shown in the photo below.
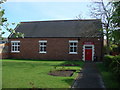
(34, 73)
(108, 77)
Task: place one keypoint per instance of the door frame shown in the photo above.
(92, 52)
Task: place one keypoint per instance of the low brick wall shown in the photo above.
(4, 53)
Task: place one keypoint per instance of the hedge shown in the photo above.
(115, 66)
(107, 61)
(112, 63)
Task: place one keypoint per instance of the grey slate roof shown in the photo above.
(61, 28)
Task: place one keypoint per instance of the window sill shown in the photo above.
(42, 52)
(73, 53)
(15, 51)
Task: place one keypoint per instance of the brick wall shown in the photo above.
(57, 48)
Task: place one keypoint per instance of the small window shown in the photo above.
(42, 46)
(73, 46)
(15, 46)
(88, 47)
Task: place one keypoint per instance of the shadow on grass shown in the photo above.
(57, 65)
(24, 64)
(68, 81)
(39, 60)
(72, 63)
(29, 60)
(66, 62)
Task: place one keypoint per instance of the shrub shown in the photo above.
(115, 66)
(114, 48)
(107, 61)
(112, 63)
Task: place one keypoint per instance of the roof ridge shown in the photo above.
(61, 20)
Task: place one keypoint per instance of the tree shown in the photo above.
(103, 11)
(116, 21)
(116, 14)
(4, 24)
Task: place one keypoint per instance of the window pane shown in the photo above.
(41, 49)
(18, 43)
(45, 49)
(88, 47)
(44, 43)
(41, 43)
(71, 44)
(75, 44)
(71, 49)
(75, 49)
(15, 48)
(18, 48)
(13, 44)
(12, 48)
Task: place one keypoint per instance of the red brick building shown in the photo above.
(58, 40)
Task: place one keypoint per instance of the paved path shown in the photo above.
(89, 77)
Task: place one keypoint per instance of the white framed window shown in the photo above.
(73, 46)
(42, 46)
(15, 46)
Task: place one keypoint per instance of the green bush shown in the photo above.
(114, 48)
(107, 61)
(115, 66)
(112, 63)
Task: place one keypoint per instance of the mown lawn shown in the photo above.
(34, 74)
(108, 77)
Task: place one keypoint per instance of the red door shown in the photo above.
(88, 54)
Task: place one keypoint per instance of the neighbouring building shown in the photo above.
(4, 40)
(58, 40)
(4, 52)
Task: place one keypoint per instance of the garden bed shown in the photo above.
(65, 73)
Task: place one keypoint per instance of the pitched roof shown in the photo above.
(61, 28)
